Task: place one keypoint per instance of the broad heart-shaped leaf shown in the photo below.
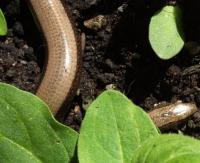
(165, 32)
(3, 24)
(28, 131)
(169, 148)
(113, 128)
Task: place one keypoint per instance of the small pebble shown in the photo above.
(111, 86)
(96, 23)
(23, 62)
(121, 8)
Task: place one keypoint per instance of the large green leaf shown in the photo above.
(28, 130)
(113, 128)
(165, 32)
(169, 149)
(3, 24)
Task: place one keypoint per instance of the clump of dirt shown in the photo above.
(119, 56)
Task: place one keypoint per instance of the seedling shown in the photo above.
(3, 24)
(113, 130)
(165, 32)
(116, 130)
(28, 131)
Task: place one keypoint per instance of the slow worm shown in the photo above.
(63, 63)
(171, 115)
(63, 60)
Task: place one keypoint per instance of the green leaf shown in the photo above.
(169, 148)
(12, 152)
(28, 130)
(3, 24)
(112, 129)
(165, 32)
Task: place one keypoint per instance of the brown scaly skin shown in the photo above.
(63, 60)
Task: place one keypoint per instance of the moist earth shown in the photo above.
(117, 55)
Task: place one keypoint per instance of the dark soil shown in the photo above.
(118, 55)
(18, 61)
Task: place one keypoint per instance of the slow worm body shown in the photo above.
(63, 63)
(63, 59)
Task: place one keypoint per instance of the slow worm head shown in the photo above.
(172, 114)
(63, 60)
